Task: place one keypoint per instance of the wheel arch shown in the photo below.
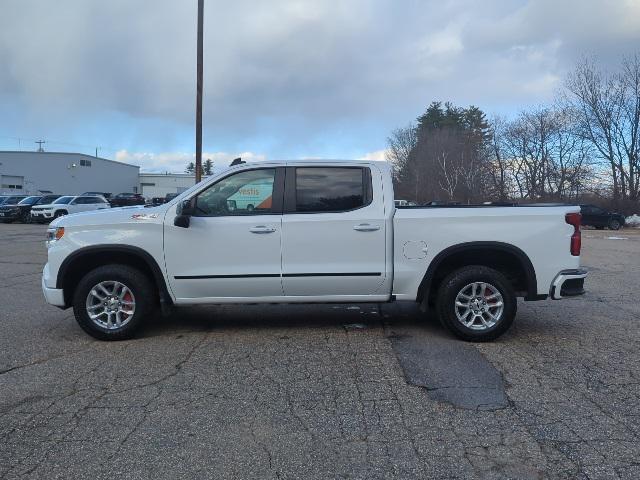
(504, 257)
(85, 259)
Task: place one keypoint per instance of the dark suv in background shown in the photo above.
(601, 218)
(126, 199)
(11, 199)
(21, 210)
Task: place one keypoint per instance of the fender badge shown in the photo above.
(144, 216)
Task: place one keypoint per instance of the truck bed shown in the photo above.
(539, 231)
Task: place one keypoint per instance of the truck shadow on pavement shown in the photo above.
(449, 370)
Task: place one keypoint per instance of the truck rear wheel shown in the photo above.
(111, 302)
(476, 303)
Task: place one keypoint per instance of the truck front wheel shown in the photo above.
(111, 302)
(476, 303)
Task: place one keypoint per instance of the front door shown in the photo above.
(333, 233)
(231, 249)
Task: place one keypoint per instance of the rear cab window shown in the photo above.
(327, 189)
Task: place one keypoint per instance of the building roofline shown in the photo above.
(70, 153)
(167, 174)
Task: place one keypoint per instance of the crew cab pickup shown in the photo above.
(315, 231)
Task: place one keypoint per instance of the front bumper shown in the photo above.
(41, 216)
(53, 296)
(9, 215)
(568, 283)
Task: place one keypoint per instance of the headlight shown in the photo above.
(54, 234)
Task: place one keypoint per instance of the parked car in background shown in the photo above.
(9, 208)
(404, 203)
(11, 199)
(67, 205)
(106, 195)
(127, 199)
(22, 210)
(601, 218)
(170, 196)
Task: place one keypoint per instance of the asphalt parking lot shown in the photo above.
(323, 391)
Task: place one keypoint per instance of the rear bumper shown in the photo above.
(568, 283)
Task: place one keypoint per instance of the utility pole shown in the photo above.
(40, 142)
(199, 95)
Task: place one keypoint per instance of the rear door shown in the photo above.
(333, 232)
(80, 204)
(97, 203)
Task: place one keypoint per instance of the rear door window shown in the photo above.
(331, 189)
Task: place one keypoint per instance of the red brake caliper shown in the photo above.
(485, 294)
(127, 298)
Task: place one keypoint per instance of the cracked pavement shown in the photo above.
(323, 391)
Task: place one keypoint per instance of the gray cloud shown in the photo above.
(289, 72)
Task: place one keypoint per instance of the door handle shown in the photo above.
(262, 229)
(365, 227)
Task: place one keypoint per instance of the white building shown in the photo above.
(64, 173)
(159, 184)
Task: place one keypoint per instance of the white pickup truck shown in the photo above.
(329, 231)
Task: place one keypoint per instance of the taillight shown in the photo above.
(576, 238)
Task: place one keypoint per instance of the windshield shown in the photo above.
(63, 200)
(29, 201)
(12, 200)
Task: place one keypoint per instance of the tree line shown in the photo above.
(207, 168)
(583, 147)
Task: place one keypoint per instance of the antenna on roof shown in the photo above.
(236, 161)
(40, 142)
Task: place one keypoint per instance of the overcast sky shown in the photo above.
(283, 78)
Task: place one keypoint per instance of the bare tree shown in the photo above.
(401, 143)
(608, 109)
(499, 167)
(548, 159)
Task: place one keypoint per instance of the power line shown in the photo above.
(22, 140)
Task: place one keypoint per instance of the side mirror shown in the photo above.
(187, 207)
(184, 211)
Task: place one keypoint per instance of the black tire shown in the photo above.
(455, 283)
(139, 284)
(25, 217)
(614, 224)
